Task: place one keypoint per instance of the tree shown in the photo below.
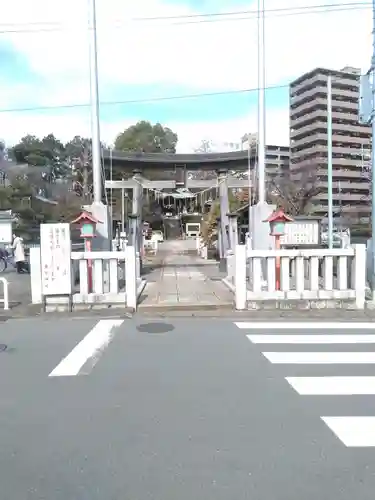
(79, 155)
(295, 197)
(48, 152)
(2, 150)
(205, 146)
(143, 137)
(209, 225)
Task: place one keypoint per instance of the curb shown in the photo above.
(228, 306)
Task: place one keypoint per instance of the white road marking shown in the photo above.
(299, 358)
(304, 326)
(333, 386)
(89, 347)
(353, 431)
(312, 339)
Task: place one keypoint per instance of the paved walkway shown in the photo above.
(178, 279)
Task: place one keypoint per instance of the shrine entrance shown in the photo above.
(172, 193)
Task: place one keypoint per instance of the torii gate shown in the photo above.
(138, 183)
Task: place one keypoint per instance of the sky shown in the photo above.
(195, 72)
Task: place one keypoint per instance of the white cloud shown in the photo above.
(205, 56)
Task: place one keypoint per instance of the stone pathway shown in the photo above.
(176, 278)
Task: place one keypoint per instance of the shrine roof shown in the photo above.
(197, 160)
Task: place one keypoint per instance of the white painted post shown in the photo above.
(5, 293)
(138, 266)
(230, 265)
(314, 274)
(98, 282)
(35, 275)
(271, 274)
(300, 274)
(83, 277)
(240, 277)
(328, 272)
(359, 278)
(131, 277)
(342, 272)
(113, 276)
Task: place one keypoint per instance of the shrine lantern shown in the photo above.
(277, 221)
(87, 224)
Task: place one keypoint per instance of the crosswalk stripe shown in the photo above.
(333, 386)
(353, 431)
(312, 339)
(299, 358)
(90, 347)
(308, 325)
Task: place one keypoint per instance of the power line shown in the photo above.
(38, 27)
(140, 101)
(255, 12)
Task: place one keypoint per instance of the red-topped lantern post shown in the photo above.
(87, 224)
(277, 221)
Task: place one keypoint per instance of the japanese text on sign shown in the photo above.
(301, 233)
(55, 247)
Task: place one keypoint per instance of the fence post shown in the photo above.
(359, 278)
(137, 266)
(35, 275)
(240, 277)
(131, 277)
(5, 293)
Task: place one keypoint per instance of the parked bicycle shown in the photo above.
(6, 259)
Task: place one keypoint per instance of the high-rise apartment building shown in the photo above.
(351, 141)
(276, 160)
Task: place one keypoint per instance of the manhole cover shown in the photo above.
(3, 347)
(155, 328)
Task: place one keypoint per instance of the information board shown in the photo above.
(55, 249)
(6, 231)
(305, 232)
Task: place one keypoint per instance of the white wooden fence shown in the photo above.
(116, 278)
(5, 299)
(309, 274)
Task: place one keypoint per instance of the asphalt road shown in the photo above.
(102, 411)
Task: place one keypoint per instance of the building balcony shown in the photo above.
(348, 142)
(321, 91)
(321, 115)
(321, 79)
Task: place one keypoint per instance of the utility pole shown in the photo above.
(98, 209)
(329, 170)
(261, 106)
(123, 210)
(367, 115)
(95, 120)
(372, 70)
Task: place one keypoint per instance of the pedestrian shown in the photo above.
(19, 254)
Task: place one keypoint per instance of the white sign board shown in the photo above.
(55, 248)
(6, 231)
(301, 233)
